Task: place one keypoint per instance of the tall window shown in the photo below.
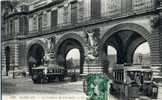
(60, 16)
(54, 18)
(35, 23)
(80, 10)
(66, 14)
(10, 27)
(74, 12)
(6, 28)
(31, 24)
(17, 26)
(44, 20)
(40, 22)
(95, 8)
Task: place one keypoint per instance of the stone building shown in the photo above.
(34, 28)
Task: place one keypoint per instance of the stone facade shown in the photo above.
(123, 27)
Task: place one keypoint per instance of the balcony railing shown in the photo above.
(116, 11)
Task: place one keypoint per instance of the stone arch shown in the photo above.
(36, 50)
(116, 42)
(127, 26)
(68, 42)
(140, 30)
(40, 42)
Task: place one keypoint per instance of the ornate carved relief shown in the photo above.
(142, 4)
(51, 44)
(93, 45)
(155, 21)
(113, 7)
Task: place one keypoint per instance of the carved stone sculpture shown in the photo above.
(92, 46)
(155, 21)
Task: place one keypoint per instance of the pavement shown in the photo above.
(24, 89)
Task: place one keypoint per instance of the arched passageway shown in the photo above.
(73, 57)
(65, 48)
(125, 43)
(125, 39)
(35, 56)
(7, 54)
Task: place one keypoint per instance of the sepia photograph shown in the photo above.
(81, 49)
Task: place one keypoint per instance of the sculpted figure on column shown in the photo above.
(51, 44)
(92, 46)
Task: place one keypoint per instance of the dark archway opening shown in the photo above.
(35, 56)
(114, 43)
(64, 49)
(125, 42)
(7, 53)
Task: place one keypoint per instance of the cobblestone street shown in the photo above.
(66, 89)
(25, 85)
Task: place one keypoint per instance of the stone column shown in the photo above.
(23, 55)
(156, 47)
(92, 63)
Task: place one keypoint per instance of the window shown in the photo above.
(6, 28)
(74, 12)
(60, 16)
(66, 15)
(80, 10)
(44, 20)
(54, 18)
(17, 26)
(95, 8)
(31, 23)
(35, 22)
(10, 27)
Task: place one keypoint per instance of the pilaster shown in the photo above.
(156, 47)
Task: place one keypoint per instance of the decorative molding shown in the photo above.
(54, 8)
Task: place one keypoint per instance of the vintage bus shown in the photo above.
(133, 81)
(50, 71)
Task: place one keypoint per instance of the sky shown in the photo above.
(143, 49)
(74, 53)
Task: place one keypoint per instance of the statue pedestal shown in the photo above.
(92, 66)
